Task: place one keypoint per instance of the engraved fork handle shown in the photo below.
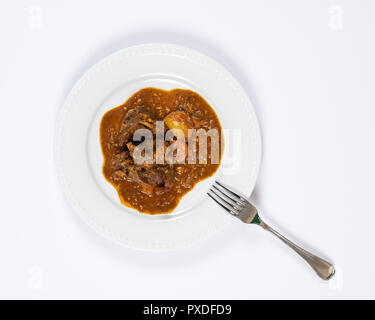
(324, 269)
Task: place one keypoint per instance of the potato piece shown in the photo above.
(177, 121)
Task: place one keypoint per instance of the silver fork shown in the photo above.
(239, 207)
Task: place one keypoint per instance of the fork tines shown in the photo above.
(226, 198)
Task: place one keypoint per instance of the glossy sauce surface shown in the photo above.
(155, 188)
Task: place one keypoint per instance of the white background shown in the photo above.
(308, 67)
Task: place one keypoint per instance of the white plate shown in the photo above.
(108, 84)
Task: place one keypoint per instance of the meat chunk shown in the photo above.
(199, 122)
(149, 178)
(131, 147)
(152, 176)
(147, 189)
(169, 182)
(128, 126)
(118, 175)
(132, 121)
(120, 160)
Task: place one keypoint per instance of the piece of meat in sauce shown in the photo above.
(151, 178)
(133, 120)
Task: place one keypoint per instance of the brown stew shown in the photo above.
(151, 187)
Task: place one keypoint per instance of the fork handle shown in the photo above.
(324, 269)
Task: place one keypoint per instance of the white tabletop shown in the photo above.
(308, 67)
